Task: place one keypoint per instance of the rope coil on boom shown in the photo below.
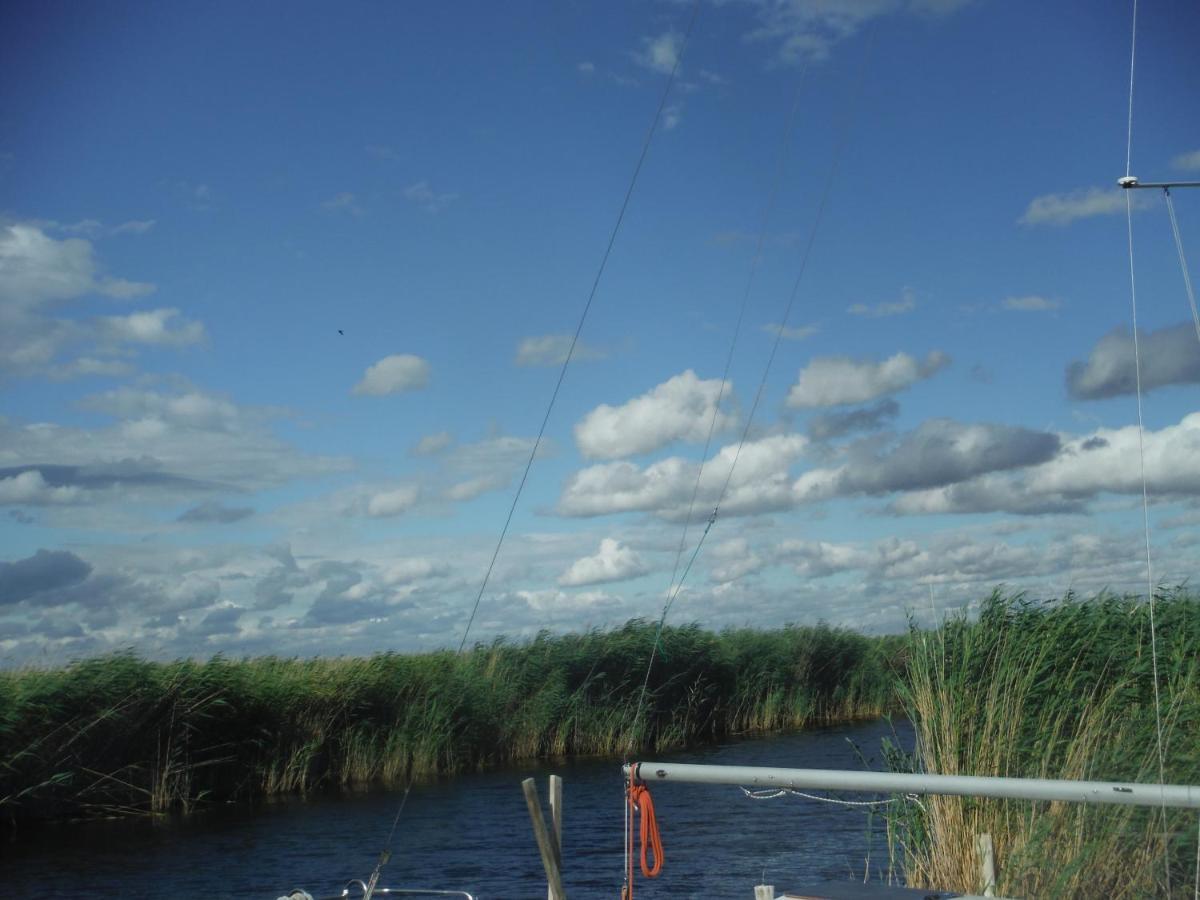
(640, 802)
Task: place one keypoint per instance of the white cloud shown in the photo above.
(612, 562)
(906, 304)
(1189, 162)
(183, 441)
(552, 349)
(840, 380)
(680, 408)
(392, 374)
(476, 487)
(1063, 209)
(407, 571)
(671, 116)
(760, 483)
(29, 488)
(1031, 303)
(789, 333)
(424, 196)
(86, 366)
(37, 273)
(432, 444)
(35, 268)
(809, 29)
(586, 68)
(151, 327)
(123, 289)
(661, 53)
(551, 601)
(1106, 461)
(393, 502)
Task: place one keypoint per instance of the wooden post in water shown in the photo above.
(547, 845)
(556, 813)
(987, 863)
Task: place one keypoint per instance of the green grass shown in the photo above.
(119, 735)
(1055, 690)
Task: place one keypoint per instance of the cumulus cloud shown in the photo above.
(386, 504)
(476, 487)
(1085, 467)
(840, 380)
(760, 483)
(835, 425)
(939, 452)
(393, 374)
(152, 327)
(44, 571)
(552, 349)
(30, 488)
(432, 444)
(1169, 356)
(187, 441)
(413, 569)
(680, 408)
(545, 601)
(808, 30)
(660, 54)
(39, 273)
(613, 562)
(1063, 209)
(906, 304)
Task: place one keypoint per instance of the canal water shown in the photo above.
(472, 833)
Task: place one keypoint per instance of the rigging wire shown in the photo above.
(1187, 278)
(385, 855)
(756, 260)
(562, 374)
(1129, 128)
(1191, 295)
(820, 213)
(1137, 369)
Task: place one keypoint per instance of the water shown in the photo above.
(472, 833)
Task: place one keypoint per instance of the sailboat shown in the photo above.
(641, 775)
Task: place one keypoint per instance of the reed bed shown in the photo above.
(120, 735)
(1054, 690)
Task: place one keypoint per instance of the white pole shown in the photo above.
(1119, 793)
(556, 812)
(987, 863)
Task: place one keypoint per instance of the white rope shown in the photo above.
(1137, 369)
(1187, 284)
(775, 794)
(1187, 277)
(1132, 55)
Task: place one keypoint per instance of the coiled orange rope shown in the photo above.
(651, 841)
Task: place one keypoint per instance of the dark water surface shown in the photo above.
(472, 833)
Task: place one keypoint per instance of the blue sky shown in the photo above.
(284, 291)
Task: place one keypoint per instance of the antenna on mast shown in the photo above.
(1131, 182)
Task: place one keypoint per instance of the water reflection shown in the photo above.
(472, 833)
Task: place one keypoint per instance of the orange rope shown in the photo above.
(639, 799)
